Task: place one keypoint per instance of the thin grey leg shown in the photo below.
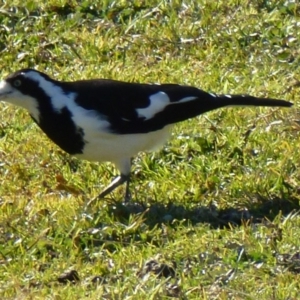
(114, 184)
(119, 180)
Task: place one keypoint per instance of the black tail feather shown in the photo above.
(252, 101)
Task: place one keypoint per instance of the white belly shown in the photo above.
(103, 146)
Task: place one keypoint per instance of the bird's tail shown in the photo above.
(240, 100)
(200, 102)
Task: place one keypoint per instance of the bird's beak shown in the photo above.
(5, 89)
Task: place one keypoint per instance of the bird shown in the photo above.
(108, 120)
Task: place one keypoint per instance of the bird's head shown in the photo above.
(26, 88)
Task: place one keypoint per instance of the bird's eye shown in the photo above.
(17, 83)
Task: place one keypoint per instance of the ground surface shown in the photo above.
(214, 213)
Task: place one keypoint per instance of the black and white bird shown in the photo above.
(107, 120)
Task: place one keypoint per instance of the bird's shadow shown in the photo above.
(257, 209)
(132, 221)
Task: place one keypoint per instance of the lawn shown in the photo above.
(214, 213)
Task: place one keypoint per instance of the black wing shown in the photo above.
(140, 108)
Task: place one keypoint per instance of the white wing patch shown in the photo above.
(186, 99)
(158, 102)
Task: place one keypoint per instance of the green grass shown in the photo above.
(216, 207)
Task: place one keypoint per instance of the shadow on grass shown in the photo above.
(134, 221)
(255, 210)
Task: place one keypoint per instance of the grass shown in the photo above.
(216, 209)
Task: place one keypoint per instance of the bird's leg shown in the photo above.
(119, 180)
(124, 166)
(127, 191)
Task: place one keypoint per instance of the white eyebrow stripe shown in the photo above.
(83, 118)
(59, 98)
(3, 84)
